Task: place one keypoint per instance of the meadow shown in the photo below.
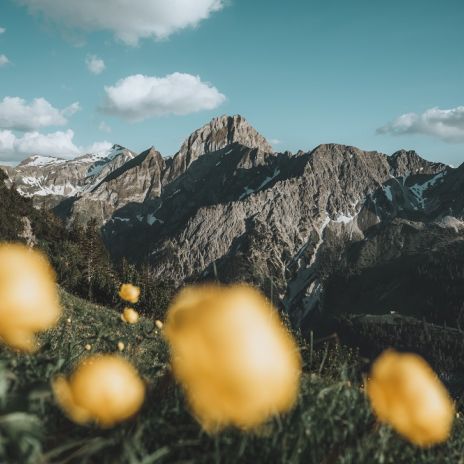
(332, 421)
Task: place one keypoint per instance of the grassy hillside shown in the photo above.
(331, 423)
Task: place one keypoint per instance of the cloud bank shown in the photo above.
(17, 114)
(129, 21)
(447, 125)
(139, 97)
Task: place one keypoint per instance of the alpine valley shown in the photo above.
(345, 241)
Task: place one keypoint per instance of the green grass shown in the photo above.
(331, 423)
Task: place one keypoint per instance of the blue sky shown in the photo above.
(303, 72)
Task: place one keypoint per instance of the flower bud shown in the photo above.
(406, 393)
(29, 301)
(129, 315)
(235, 359)
(130, 293)
(105, 389)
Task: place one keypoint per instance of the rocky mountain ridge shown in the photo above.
(88, 186)
(50, 180)
(227, 207)
(266, 218)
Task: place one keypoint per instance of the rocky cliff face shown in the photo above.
(298, 225)
(136, 181)
(281, 220)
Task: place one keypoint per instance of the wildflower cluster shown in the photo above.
(235, 360)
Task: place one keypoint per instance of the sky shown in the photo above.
(76, 76)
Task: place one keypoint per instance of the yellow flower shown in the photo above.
(406, 393)
(29, 301)
(236, 361)
(129, 293)
(159, 324)
(105, 389)
(121, 346)
(129, 315)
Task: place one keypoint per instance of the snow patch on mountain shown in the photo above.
(42, 176)
(151, 219)
(304, 275)
(388, 193)
(418, 190)
(248, 191)
(38, 160)
(343, 218)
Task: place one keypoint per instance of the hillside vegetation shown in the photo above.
(77, 253)
(332, 422)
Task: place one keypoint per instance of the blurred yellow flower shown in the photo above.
(159, 324)
(130, 293)
(105, 389)
(29, 301)
(129, 315)
(121, 346)
(236, 361)
(406, 393)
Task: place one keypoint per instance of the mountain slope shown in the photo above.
(260, 212)
(50, 180)
(135, 181)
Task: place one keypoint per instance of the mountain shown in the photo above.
(95, 185)
(275, 219)
(331, 231)
(50, 180)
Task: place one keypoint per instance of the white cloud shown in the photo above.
(56, 143)
(13, 148)
(3, 60)
(447, 125)
(139, 97)
(94, 64)
(2, 30)
(129, 21)
(17, 114)
(275, 142)
(60, 143)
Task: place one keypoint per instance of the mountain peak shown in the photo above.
(404, 162)
(220, 132)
